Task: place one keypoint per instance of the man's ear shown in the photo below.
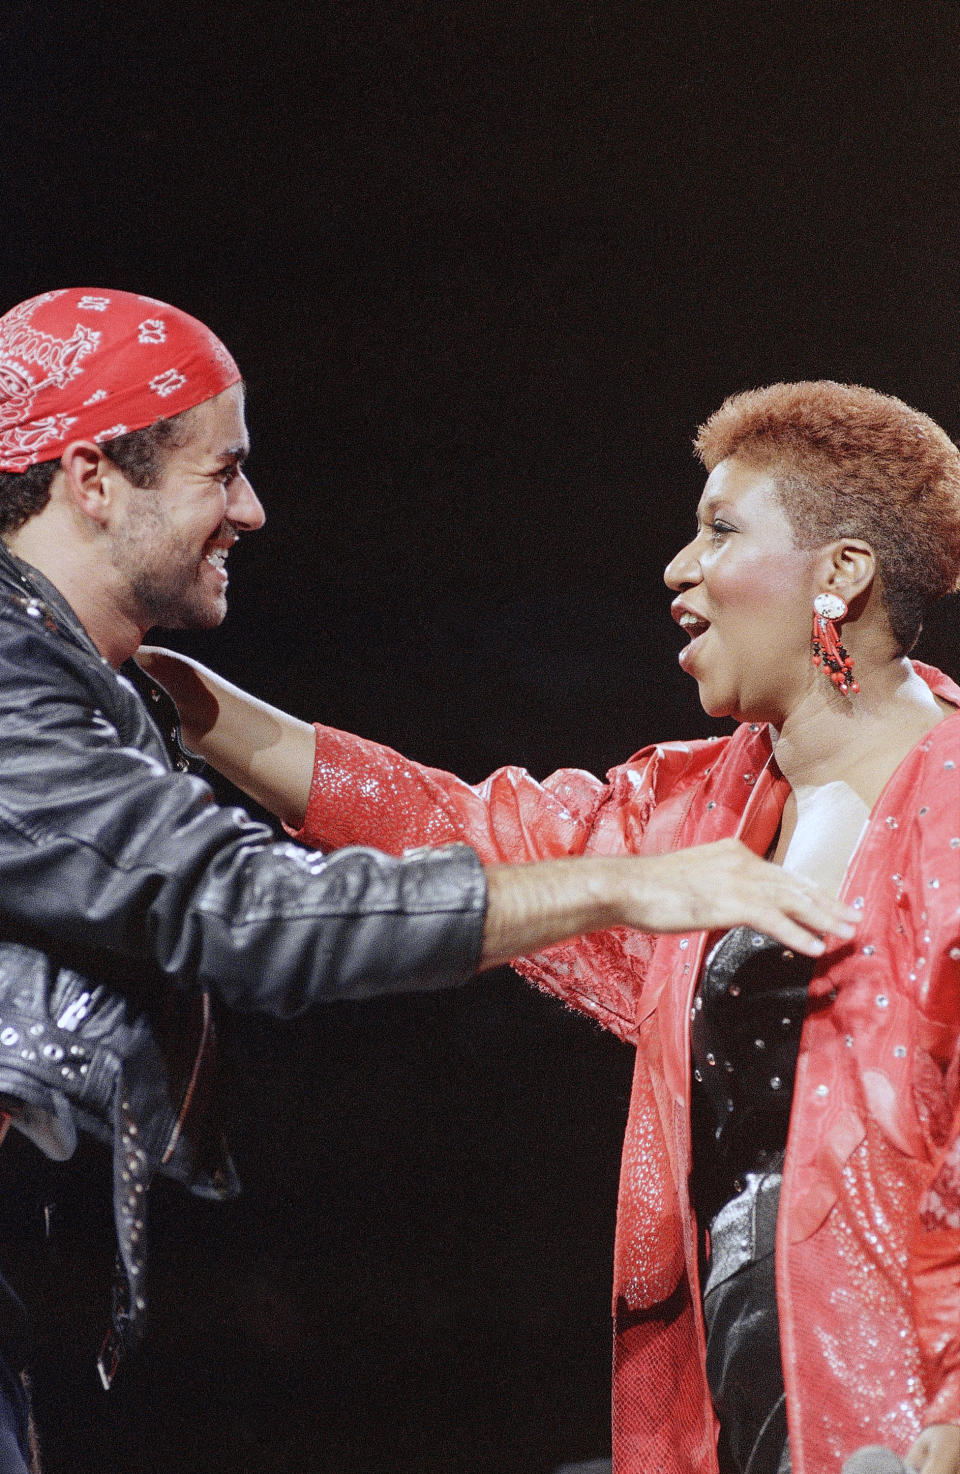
(91, 480)
(848, 568)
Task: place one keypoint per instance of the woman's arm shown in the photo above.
(266, 752)
(270, 755)
(332, 788)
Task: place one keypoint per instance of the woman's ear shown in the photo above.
(848, 568)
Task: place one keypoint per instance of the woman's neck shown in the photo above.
(858, 739)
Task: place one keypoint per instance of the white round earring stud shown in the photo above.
(830, 606)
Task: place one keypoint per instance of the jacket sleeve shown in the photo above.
(106, 855)
(368, 793)
(364, 793)
(935, 1279)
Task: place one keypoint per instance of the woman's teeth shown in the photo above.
(693, 624)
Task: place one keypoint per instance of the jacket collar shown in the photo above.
(25, 579)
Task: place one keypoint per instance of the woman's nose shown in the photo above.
(683, 569)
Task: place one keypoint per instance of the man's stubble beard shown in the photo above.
(161, 571)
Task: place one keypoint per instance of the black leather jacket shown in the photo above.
(129, 899)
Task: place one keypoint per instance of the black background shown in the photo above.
(485, 267)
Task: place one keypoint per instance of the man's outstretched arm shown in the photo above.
(706, 888)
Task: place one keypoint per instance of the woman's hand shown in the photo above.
(190, 685)
(264, 751)
(937, 1450)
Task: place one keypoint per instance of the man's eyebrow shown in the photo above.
(235, 453)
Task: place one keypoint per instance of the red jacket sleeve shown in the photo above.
(364, 793)
(935, 1273)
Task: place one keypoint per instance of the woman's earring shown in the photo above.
(828, 652)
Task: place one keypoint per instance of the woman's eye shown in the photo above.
(719, 529)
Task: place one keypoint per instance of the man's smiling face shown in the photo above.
(170, 542)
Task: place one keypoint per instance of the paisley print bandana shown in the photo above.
(85, 364)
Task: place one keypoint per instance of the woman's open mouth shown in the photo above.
(695, 627)
(692, 624)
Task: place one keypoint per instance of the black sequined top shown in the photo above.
(745, 1036)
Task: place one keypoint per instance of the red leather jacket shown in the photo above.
(868, 1265)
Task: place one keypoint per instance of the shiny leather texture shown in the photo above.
(145, 880)
(130, 900)
(868, 1259)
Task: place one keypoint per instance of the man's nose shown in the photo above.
(244, 508)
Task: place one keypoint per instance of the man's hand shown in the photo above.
(937, 1450)
(715, 886)
(706, 888)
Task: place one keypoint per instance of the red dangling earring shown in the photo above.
(828, 651)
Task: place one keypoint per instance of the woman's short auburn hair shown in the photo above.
(850, 462)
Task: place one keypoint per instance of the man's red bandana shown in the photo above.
(85, 364)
